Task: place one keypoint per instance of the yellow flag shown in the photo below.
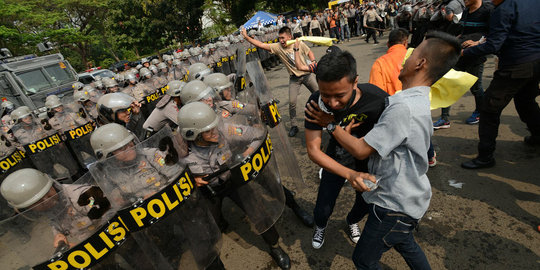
(448, 89)
(315, 40)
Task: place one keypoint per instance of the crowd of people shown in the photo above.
(140, 131)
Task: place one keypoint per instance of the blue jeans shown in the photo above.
(387, 229)
(345, 32)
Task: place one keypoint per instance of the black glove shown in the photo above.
(166, 145)
(100, 205)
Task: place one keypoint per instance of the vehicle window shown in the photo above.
(104, 73)
(59, 73)
(86, 79)
(34, 80)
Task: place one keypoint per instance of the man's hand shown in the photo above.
(60, 238)
(469, 43)
(297, 43)
(200, 182)
(136, 107)
(243, 31)
(352, 125)
(317, 115)
(357, 180)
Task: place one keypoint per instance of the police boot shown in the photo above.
(302, 214)
(280, 257)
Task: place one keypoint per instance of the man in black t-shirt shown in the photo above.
(475, 25)
(351, 105)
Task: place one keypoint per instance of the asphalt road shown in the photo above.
(489, 223)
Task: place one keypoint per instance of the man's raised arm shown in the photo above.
(253, 41)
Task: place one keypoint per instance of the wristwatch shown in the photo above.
(331, 127)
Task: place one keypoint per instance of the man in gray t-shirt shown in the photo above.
(397, 147)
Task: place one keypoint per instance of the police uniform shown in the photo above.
(165, 113)
(161, 81)
(138, 91)
(231, 107)
(91, 110)
(143, 176)
(65, 121)
(26, 134)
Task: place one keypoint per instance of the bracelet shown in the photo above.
(296, 49)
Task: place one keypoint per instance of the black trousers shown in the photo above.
(329, 189)
(370, 31)
(519, 82)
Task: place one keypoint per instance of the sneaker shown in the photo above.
(441, 123)
(318, 237)
(432, 162)
(354, 232)
(473, 119)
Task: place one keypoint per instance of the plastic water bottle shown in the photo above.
(372, 186)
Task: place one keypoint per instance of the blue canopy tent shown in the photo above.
(261, 16)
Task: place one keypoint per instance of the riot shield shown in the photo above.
(240, 81)
(287, 163)
(159, 204)
(49, 153)
(149, 102)
(72, 227)
(254, 183)
(224, 60)
(13, 161)
(78, 140)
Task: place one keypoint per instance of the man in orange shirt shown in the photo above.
(385, 71)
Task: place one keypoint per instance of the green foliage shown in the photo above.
(96, 32)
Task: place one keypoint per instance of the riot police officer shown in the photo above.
(88, 105)
(130, 171)
(122, 109)
(26, 129)
(62, 120)
(111, 86)
(136, 90)
(167, 108)
(210, 158)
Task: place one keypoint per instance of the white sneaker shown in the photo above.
(354, 232)
(318, 237)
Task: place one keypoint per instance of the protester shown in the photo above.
(297, 78)
(385, 71)
(396, 147)
(347, 100)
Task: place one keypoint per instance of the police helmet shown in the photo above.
(108, 105)
(108, 138)
(20, 113)
(175, 87)
(53, 103)
(145, 72)
(195, 118)
(77, 85)
(81, 96)
(131, 78)
(197, 71)
(7, 105)
(25, 187)
(218, 81)
(109, 82)
(153, 69)
(155, 61)
(195, 91)
(162, 65)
